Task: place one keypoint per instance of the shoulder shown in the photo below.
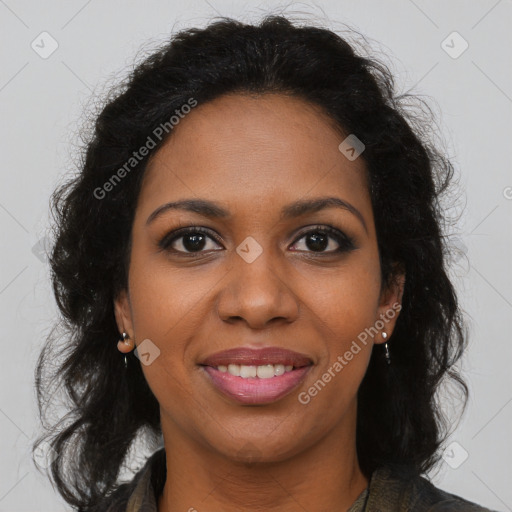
(118, 499)
(403, 491)
(433, 499)
(141, 492)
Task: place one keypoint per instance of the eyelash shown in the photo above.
(345, 242)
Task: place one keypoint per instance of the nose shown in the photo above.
(257, 293)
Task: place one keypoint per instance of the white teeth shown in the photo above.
(234, 369)
(247, 371)
(266, 371)
(279, 369)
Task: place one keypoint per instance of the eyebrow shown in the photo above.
(212, 210)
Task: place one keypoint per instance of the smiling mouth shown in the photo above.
(255, 385)
(266, 371)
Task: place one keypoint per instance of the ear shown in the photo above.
(390, 305)
(123, 313)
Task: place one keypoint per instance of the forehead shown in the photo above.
(248, 148)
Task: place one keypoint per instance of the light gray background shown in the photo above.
(41, 102)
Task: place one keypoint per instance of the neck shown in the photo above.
(326, 476)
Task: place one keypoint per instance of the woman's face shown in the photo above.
(255, 278)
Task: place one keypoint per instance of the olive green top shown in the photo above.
(389, 490)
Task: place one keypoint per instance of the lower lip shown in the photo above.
(254, 390)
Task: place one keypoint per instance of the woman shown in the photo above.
(258, 224)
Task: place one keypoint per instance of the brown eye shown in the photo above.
(187, 241)
(320, 239)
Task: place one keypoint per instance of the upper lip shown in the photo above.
(257, 357)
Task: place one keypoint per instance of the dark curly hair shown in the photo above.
(400, 421)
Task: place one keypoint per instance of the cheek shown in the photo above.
(166, 309)
(347, 300)
(165, 299)
(344, 309)
(342, 321)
